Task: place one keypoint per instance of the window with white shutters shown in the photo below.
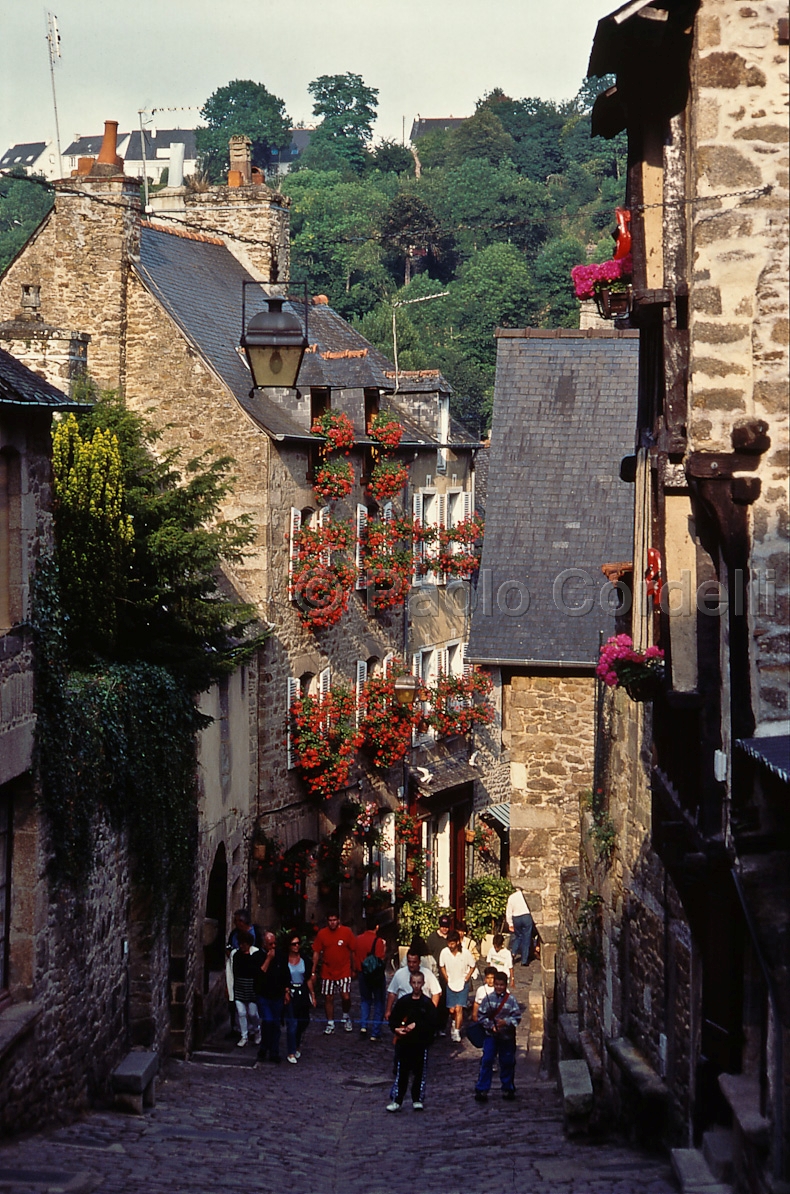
(295, 527)
(362, 679)
(441, 522)
(293, 694)
(417, 548)
(468, 669)
(324, 517)
(362, 530)
(325, 682)
(468, 500)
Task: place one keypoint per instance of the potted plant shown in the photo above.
(385, 429)
(337, 430)
(486, 901)
(387, 480)
(609, 283)
(323, 577)
(640, 673)
(325, 738)
(334, 480)
(385, 724)
(460, 702)
(387, 560)
(459, 548)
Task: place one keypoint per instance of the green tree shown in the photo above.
(241, 108)
(411, 232)
(168, 605)
(484, 204)
(348, 108)
(557, 304)
(94, 533)
(391, 158)
(24, 203)
(481, 136)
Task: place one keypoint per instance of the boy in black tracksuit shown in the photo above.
(413, 1021)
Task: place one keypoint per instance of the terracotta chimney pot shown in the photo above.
(235, 178)
(108, 155)
(84, 166)
(320, 300)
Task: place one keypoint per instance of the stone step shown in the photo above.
(576, 1088)
(692, 1173)
(717, 1149)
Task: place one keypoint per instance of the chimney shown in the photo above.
(108, 163)
(240, 161)
(175, 173)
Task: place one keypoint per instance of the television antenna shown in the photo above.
(53, 43)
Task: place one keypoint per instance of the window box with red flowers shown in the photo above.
(337, 430)
(386, 430)
(387, 560)
(459, 548)
(324, 739)
(461, 702)
(322, 576)
(334, 480)
(387, 480)
(408, 830)
(387, 725)
(609, 283)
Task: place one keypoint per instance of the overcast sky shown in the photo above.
(432, 57)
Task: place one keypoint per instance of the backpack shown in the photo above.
(373, 966)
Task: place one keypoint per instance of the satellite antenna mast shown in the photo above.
(53, 41)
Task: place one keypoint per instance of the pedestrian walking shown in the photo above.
(400, 984)
(270, 983)
(499, 1013)
(333, 950)
(244, 965)
(436, 943)
(457, 965)
(369, 957)
(241, 924)
(500, 957)
(299, 996)
(520, 924)
(413, 1022)
(489, 974)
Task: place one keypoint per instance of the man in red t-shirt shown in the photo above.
(334, 949)
(370, 954)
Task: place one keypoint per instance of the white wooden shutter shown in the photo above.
(468, 504)
(324, 516)
(325, 682)
(443, 661)
(416, 670)
(441, 521)
(417, 548)
(362, 679)
(388, 512)
(295, 528)
(362, 528)
(468, 668)
(387, 663)
(293, 694)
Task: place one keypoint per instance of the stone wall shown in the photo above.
(253, 221)
(739, 296)
(635, 952)
(548, 724)
(80, 259)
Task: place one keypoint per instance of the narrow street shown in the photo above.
(223, 1125)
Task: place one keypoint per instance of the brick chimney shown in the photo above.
(240, 173)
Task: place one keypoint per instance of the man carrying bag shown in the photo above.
(498, 1013)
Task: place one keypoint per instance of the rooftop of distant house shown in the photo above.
(434, 124)
(21, 387)
(24, 154)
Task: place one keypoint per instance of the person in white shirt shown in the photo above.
(401, 983)
(456, 964)
(487, 985)
(519, 923)
(500, 958)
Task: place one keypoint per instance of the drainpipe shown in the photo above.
(778, 1149)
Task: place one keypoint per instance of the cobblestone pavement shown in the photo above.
(224, 1125)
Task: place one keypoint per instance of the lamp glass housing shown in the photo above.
(406, 688)
(274, 345)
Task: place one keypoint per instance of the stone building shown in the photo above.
(556, 512)
(160, 302)
(684, 926)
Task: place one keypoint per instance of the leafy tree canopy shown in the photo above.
(143, 536)
(23, 205)
(348, 108)
(481, 136)
(241, 108)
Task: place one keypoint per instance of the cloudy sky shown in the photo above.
(432, 57)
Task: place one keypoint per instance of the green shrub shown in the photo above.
(486, 900)
(419, 918)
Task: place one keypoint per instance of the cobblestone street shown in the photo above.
(224, 1125)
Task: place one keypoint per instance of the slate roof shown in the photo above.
(199, 283)
(482, 469)
(773, 753)
(24, 154)
(88, 147)
(564, 416)
(434, 124)
(161, 140)
(20, 386)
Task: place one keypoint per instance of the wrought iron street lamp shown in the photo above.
(274, 344)
(406, 689)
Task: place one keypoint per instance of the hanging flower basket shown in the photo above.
(386, 725)
(337, 429)
(334, 480)
(608, 282)
(640, 673)
(387, 561)
(461, 702)
(386, 430)
(323, 578)
(387, 480)
(460, 547)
